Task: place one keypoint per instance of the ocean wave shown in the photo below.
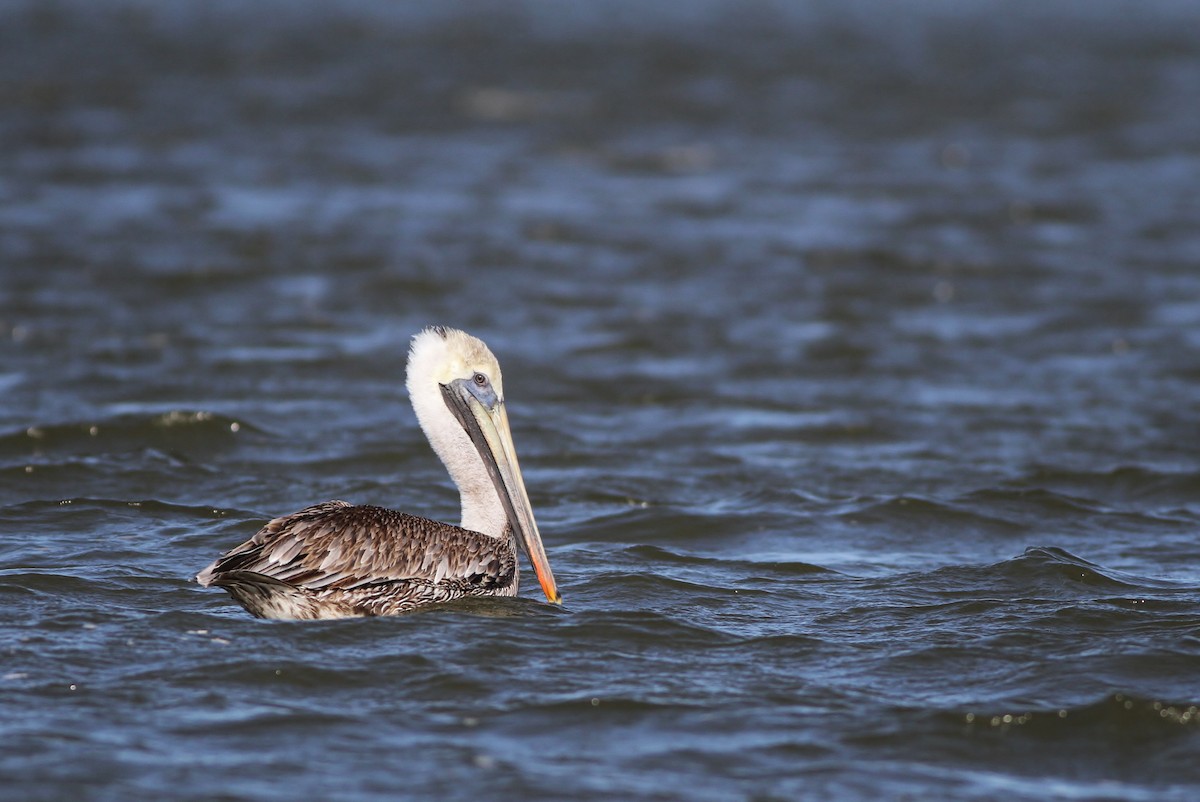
(1133, 487)
(174, 429)
(1122, 716)
(916, 511)
(1038, 572)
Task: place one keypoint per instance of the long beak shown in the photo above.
(488, 430)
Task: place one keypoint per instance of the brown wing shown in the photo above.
(336, 546)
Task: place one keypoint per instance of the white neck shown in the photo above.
(482, 510)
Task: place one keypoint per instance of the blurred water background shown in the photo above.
(852, 352)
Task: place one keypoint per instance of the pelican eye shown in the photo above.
(480, 379)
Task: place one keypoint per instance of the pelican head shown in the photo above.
(458, 394)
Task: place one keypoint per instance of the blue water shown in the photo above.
(851, 352)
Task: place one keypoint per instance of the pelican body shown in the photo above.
(337, 560)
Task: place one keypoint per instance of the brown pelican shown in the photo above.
(335, 559)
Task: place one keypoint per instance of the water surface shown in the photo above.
(851, 350)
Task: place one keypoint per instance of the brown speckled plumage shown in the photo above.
(335, 560)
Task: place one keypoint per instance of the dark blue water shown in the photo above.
(852, 352)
